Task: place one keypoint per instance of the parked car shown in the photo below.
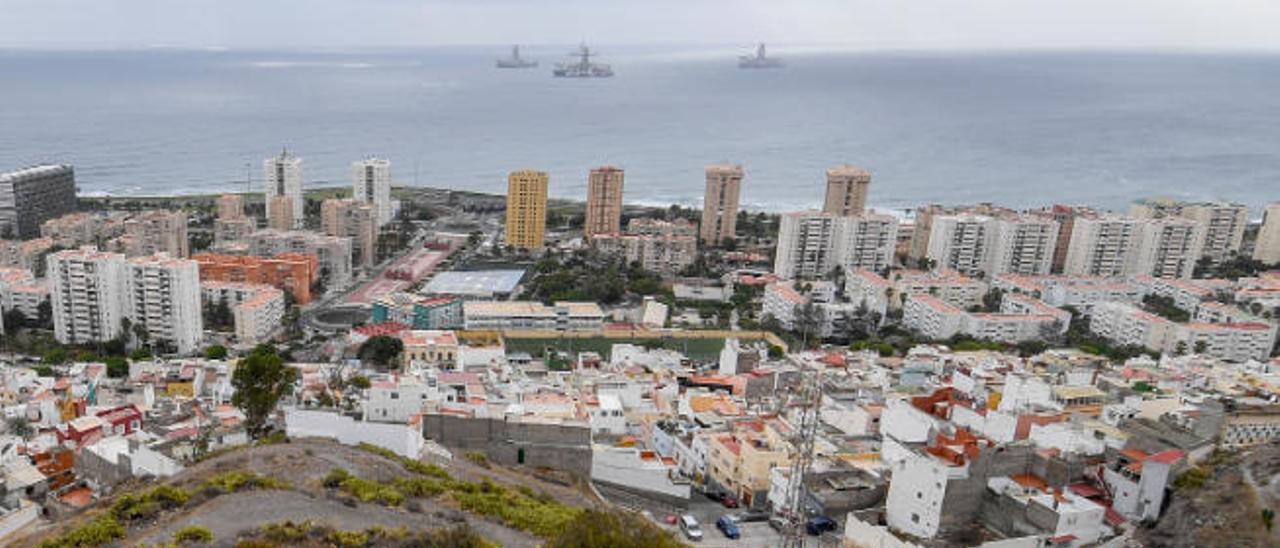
(689, 525)
(728, 526)
(729, 501)
(749, 516)
(778, 523)
(819, 525)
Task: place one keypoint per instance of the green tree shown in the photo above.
(117, 367)
(380, 350)
(261, 379)
(55, 356)
(359, 381)
(216, 352)
(19, 426)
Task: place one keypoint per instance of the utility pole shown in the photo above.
(809, 398)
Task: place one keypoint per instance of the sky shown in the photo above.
(844, 24)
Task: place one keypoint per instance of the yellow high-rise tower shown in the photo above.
(526, 209)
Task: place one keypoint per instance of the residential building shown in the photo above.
(1127, 325)
(1168, 248)
(31, 196)
(720, 204)
(349, 218)
(1065, 216)
(604, 202)
(151, 232)
(280, 214)
(846, 190)
(812, 244)
(1233, 342)
(934, 318)
(962, 243)
(230, 206)
(666, 255)
(257, 309)
(87, 290)
(429, 348)
(283, 178)
(1103, 246)
(28, 255)
(332, 252)
(163, 302)
(526, 209)
(1267, 247)
(77, 229)
(952, 287)
(1223, 222)
(866, 288)
(233, 230)
(562, 316)
(979, 245)
(1184, 294)
(291, 272)
(1138, 481)
(923, 223)
(419, 312)
(371, 184)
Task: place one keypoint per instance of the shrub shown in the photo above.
(101, 531)
(478, 458)
(417, 467)
(193, 534)
(1194, 478)
(595, 529)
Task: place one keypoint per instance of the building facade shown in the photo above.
(283, 178)
(31, 196)
(350, 218)
(604, 202)
(1267, 247)
(720, 204)
(163, 301)
(812, 244)
(846, 190)
(527, 209)
(371, 184)
(87, 290)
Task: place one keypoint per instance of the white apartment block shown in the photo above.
(933, 318)
(1024, 244)
(163, 299)
(1267, 246)
(371, 184)
(952, 287)
(1216, 312)
(258, 309)
(1083, 295)
(867, 288)
(1010, 328)
(1223, 223)
(1026, 305)
(1128, 325)
(1102, 246)
(1235, 342)
(962, 243)
(282, 176)
(1185, 294)
(665, 254)
(1169, 248)
(87, 290)
(780, 301)
(562, 316)
(811, 244)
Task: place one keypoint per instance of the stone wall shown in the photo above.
(558, 446)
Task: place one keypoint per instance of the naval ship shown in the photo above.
(515, 61)
(759, 60)
(583, 68)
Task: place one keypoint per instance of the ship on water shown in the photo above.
(583, 67)
(759, 60)
(515, 61)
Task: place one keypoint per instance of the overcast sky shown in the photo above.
(868, 24)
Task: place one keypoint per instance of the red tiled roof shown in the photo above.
(1166, 457)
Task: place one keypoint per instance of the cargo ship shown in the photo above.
(583, 67)
(515, 61)
(759, 60)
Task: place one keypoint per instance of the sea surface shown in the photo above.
(1018, 129)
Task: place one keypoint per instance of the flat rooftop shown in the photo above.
(477, 282)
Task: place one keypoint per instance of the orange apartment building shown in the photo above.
(290, 272)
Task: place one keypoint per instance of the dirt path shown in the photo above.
(230, 515)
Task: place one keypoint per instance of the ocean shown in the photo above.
(1023, 129)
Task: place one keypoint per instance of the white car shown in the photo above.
(689, 525)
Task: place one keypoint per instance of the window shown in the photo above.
(915, 518)
(395, 395)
